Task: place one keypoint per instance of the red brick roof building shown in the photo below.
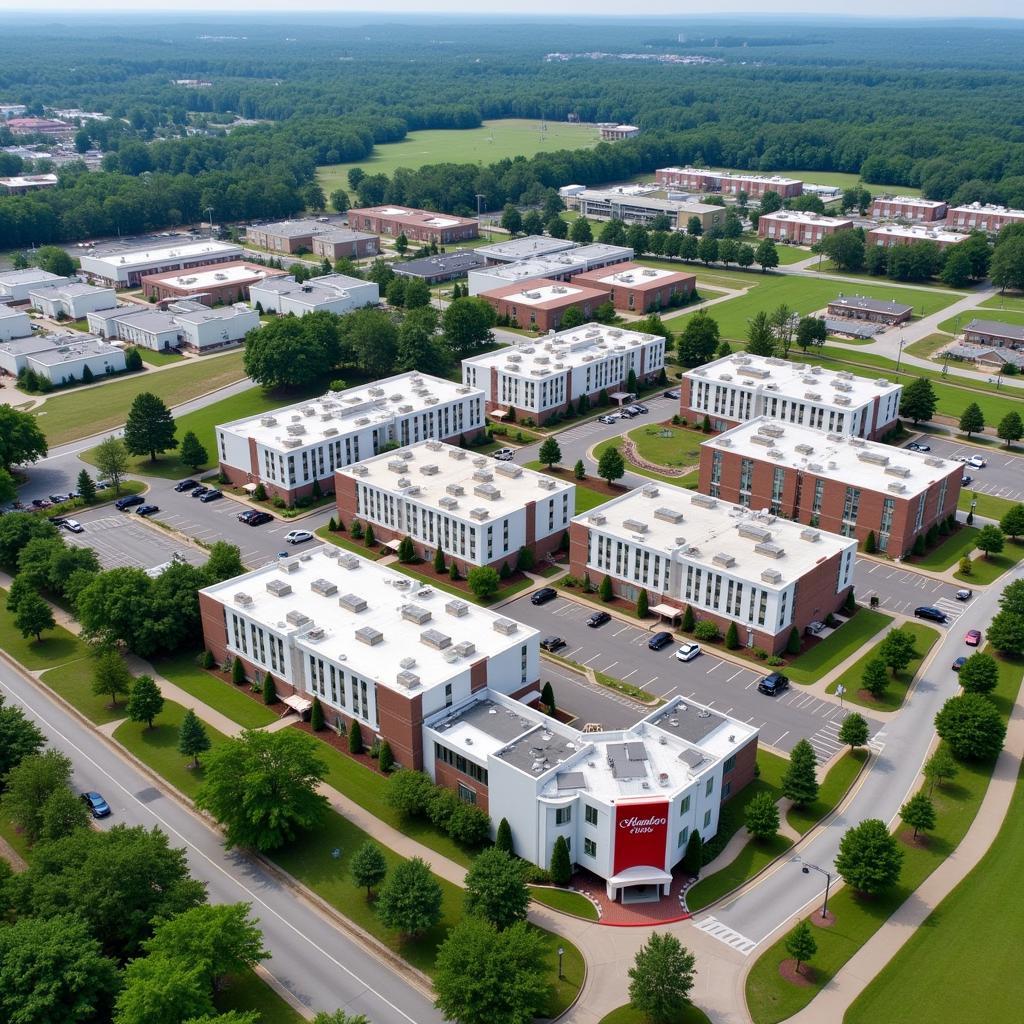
(416, 225)
(636, 289)
(543, 303)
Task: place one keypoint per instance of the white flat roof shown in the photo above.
(911, 200)
(342, 411)
(566, 262)
(67, 349)
(700, 530)
(868, 464)
(919, 233)
(396, 606)
(793, 380)
(537, 295)
(804, 217)
(313, 291)
(575, 347)
(515, 249)
(118, 257)
(636, 275)
(6, 311)
(30, 275)
(215, 277)
(68, 288)
(198, 313)
(431, 472)
(1005, 211)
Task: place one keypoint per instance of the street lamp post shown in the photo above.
(899, 354)
(561, 953)
(807, 867)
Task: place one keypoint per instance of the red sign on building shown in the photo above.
(641, 832)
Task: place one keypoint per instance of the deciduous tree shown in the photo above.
(484, 581)
(897, 650)
(19, 738)
(979, 673)
(611, 466)
(145, 701)
(661, 978)
(990, 540)
(972, 726)
(762, 817)
(410, 899)
(495, 889)
(918, 813)
(919, 400)
(112, 460)
(192, 737)
(21, 438)
(111, 676)
(368, 867)
(799, 782)
(800, 944)
(869, 858)
(28, 786)
(854, 730)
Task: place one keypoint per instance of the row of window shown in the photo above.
(460, 763)
(337, 688)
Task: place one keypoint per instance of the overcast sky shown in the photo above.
(650, 8)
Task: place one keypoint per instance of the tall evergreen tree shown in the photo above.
(150, 426)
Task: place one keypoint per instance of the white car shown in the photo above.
(73, 525)
(505, 454)
(613, 417)
(688, 652)
(298, 536)
(977, 462)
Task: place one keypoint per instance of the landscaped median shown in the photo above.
(831, 792)
(565, 901)
(771, 998)
(826, 654)
(668, 446)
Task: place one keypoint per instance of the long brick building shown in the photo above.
(912, 208)
(633, 288)
(416, 225)
(697, 179)
(983, 217)
(799, 226)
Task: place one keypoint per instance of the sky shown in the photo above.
(529, 8)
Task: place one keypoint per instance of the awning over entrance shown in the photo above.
(622, 396)
(298, 704)
(394, 545)
(669, 611)
(640, 876)
(498, 414)
(249, 488)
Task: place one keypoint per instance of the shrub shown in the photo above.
(237, 672)
(793, 641)
(561, 866)
(870, 544)
(503, 837)
(642, 607)
(408, 791)
(332, 525)
(468, 824)
(316, 715)
(355, 738)
(269, 690)
(689, 620)
(774, 660)
(760, 653)
(605, 591)
(441, 805)
(385, 758)
(707, 631)
(356, 530)
(206, 660)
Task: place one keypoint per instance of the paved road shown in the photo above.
(1003, 477)
(621, 650)
(124, 539)
(900, 590)
(751, 918)
(317, 962)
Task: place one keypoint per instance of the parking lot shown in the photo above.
(620, 649)
(1003, 477)
(123, 539)
(900, 590)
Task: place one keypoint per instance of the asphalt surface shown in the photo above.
(900, 590)
(321, 965)
(125, 539)
(619, 649)
(1003, 477)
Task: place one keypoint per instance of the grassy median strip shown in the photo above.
(756, 855)
(627, 1015)
(892, 699)
(837, 646)
(949, 552)
(564, 900)
(837, 781)
(770, 998)
(73, 682)
(247, 991)
(988, 568)
(986, 505)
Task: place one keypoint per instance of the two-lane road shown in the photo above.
(321, 965)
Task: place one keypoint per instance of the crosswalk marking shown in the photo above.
(713, 927)
(954, 609)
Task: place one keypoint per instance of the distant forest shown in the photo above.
(936, 106)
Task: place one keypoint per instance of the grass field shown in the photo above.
(1011, 301)
(988, 568)
(915, 983)
(841, 179)
(246, 992)
(56, 647)
(564, 900)
(837, 781)
(627, 1015)
(927, 347)
(73, 681)
(93, 410)
(837, 647)
(988, 505)
(678, 451)
(924, 640)
(154, 358)
(493, 141)
(949, 552)
(771, 999)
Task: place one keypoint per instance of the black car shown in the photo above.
(245, 516)
(543, 595)
(147, 510)
(129, 501)
(258, 518)
(185, 485)
(598, 619)
(552, 643)
(928, 612)
(659, 640)
(198, 492)
(773, 684)
(210, 495)
(98, 807)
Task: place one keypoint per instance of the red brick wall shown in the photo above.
(579, 537)
(816, 595)
(345, 497)
(742, 773)
(447, 775)
(401, 722)
(215, 633)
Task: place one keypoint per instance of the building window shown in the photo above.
(684, 807)
(851, 508)
(683, 836)
(467, 795)
(589, 848)
(707, 818)
(563, 815)
(709, 787)
(730, 763)
(778, 480)
(590, 813)
(885, 527)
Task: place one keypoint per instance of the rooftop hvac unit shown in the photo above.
(325, 588)
(316, 634)
(430, 469)
(668, 515)
(650, 490)
(479, 514)
(703, 500)
(723, 559)
(297, 618)
(459, 609)
(352, 603)
(279, 588)
(369, 636)
(634, 525)
(805, 449)
(243, 600)
(810, 535)
(507, 627)
(772, 576)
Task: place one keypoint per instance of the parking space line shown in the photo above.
(653, 679)
(715, 667)
(608, 668)
(623, 630)
(633, 673)
(739, 672)
(781, 738)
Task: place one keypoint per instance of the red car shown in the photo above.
(973, 637)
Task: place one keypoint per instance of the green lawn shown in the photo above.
(803, 295)
(1003, 316)
(93, 410)
(587, 498)
(73, 681)
(757, 854)
(342, 540)
(988, 568)
(915, 983)
(949, 552)
(927, 347)
(57, 645)
(988, 505)
(565, 901)
(771, 999)
(182, 670)
(679, 449)
(503, 139)
(1004, 302)
(924, 640)
(810, 666)
(504, 592)
(837, 781)
(153, 358)
(627, 1015)
(615, 442)
(247, 992)
(842, 179)
(828, 267)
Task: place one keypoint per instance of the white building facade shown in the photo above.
(14, 323)
(332, 293)
(122, 266)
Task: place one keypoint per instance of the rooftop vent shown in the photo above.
(668, 515)
(457, 608)
(348, 561)
(810, 535)
(724, 442)
(456, 453)
(352, 603)
(268, 421)
(597, 519)
(634, 526)
(932, 460)
(430, 470)
(465, 648)
(325, 588)
(408, 679)
(316, 634)
(483, 476)
(243, 600)
(545, 483)
(771, 429)
(901, 471)
(416, 613)
(805, 449)
(509, 469)
(448, 502)
(297, 618)
(842, 400)
(752, 531)
(505, 626)
(488, 491)
(703, 500)
(369, 636)
(896, 487)
(761, 440)
(279, 588)
(397, 466)
(479, 514)
(434, 638)
(857, 442)
(650, 490)
(770, 549)
(772, 576)
(724, 559)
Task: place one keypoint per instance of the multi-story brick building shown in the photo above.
(290, 448)
(877, 311)
(542, 304)
(983, 217)
(416, 225)
(730, 564)
(287, 236)
(124, 266)
(842, 484)
(799, 226)
(374, 645)
(345, 244)
(890, 235)
(477, 510)
(697, 179)
(632, 208)
(912, 208)
(537, 378)
(742, 387)
(553, 266)
(223, 283)
(636, 289)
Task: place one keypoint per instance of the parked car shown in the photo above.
(814, 628)
(551, 643)
(543, 595)
(41, 503)
(687, 652)
(973, 637)
(198, 492)
(103, 485)
(964, 594)
(636, 410)
(98, 807)
(147, 510)
(917, 446)
(965, 480)
(210, 495)
(505, 454)
(773, 684)
(73, 525)
(659, 640)
(928, 612)
(977, 462)
(298, 536)
(641, 408)
(247, 514)
(671, 393)
(185, 485)
(609, 418)
(259, 519)
(627, 413)
(58, 498)
(56, 520)
(598, 619)
(129, 501)
(959, 664)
